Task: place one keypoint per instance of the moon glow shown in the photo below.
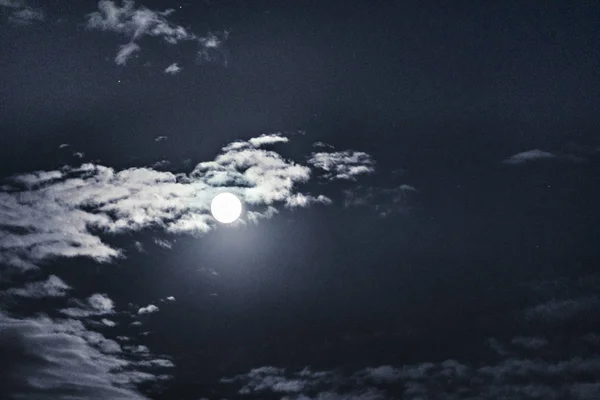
(226, 207)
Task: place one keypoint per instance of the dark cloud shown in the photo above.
(385, 201)
(61, 359)
(21, 13)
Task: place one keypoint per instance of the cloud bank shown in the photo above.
(67, 212)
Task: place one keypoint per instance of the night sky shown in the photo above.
(420, 188)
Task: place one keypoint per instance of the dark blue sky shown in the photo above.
(458, 217)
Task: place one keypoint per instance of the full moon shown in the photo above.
(226, 207)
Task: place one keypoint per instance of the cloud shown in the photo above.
(60, 359)
(343, 164)
(108, 322)
(518, 378)
(52, 287)
(528, 156)
(301, 200)
(135, 23)
(101, 302)
(67, 212)
(160, 138)
(384, 201)
(211, 48)
(149, 309)
(97, 304)
(125, 52)
(27, 16)
(170, 298)
(12, 3)
(21, 13)
(556, 310)
(139, 246)
(165, 244)
(534, 343)
(323, 145)
(173, 69)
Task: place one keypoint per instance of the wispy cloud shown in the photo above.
(165, 244)
(518, 378)
(134, 23)
(21, 13)
(529, 156)
(343, 164)
(53, 359)
(173, 69)
(385, 201)
(97, 304)
(125, 52)
(51, 287)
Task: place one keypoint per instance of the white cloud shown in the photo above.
(66, 212)
(528, 156)
(267, 139)
(160, 138)
(301, 200)
(343, 164)
(125, 52)
(101, 302)
(165, 244)
(52, 287)
(149, 309)
(170, 298)
(134, 23)
(53, 359)
(108, 322)
(323, 145)
(173, 69)
(97, 304)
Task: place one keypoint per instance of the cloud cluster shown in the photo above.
(343, 164)
(61, 359)
(21, 13)
(66, 212)
(525, 367)
(135, 23)
(515, 378)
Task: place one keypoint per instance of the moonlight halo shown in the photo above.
(226, 207)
